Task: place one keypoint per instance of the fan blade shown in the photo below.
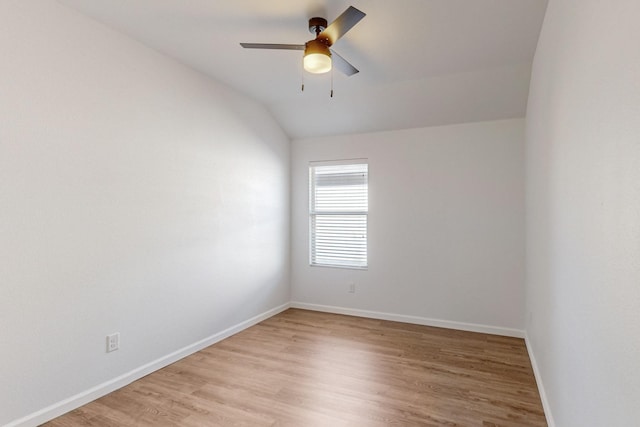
(272, 46)
(342, 64)
(342, 24)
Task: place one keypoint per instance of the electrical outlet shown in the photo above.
(113, 342)
(352, 287)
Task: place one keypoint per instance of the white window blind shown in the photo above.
(338, 208)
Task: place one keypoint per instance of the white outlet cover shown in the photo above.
(113, 342)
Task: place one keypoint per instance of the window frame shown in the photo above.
(358, 263)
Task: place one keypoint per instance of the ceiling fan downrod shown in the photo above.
(317, 25)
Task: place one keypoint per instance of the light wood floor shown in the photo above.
(303, 368)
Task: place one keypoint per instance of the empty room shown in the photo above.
(320, 213)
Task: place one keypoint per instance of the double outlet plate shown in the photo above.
(113, 342)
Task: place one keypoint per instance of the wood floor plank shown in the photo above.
(305, 368)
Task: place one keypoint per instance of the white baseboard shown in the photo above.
(471, 327)
(538, 377)
(100, 390)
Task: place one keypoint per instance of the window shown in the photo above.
(338, 208)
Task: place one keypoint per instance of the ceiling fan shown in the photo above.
(318, 55)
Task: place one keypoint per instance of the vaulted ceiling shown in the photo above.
(422, 62)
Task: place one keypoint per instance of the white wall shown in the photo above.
(583, 212)
(446, 224)
(135, 196)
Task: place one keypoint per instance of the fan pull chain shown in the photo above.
(302, 74)
(331, 82)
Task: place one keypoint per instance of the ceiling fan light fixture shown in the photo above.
(317, 57)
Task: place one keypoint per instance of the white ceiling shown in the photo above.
(422, 62)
